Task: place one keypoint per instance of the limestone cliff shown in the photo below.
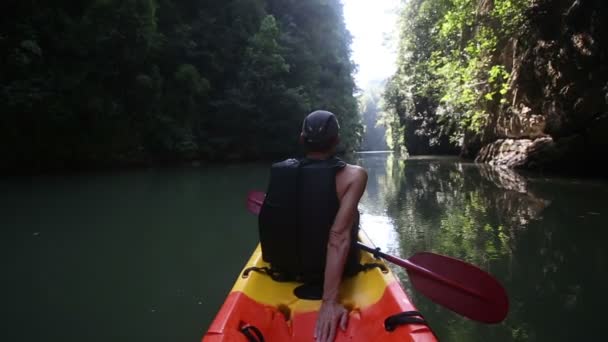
(556, 116)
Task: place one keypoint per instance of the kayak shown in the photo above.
(259, 308)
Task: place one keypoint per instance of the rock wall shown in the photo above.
(556, 118)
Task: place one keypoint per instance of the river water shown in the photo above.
(150, 255)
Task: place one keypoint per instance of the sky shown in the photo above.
(370, 22)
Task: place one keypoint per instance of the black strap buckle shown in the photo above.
(376, 253)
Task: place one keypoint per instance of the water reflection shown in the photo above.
(522, 230)
(449, 207)
(384, 173)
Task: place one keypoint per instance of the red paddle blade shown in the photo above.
(490, 304)
(255, 199)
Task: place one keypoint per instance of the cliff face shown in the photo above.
(556, 116)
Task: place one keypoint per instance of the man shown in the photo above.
(309, 221)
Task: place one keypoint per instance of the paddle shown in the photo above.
(452, 283)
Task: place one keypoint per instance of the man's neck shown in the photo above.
(319, 155)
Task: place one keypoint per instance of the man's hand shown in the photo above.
(330, 314)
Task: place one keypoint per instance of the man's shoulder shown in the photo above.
(356, 169)
(355, 173)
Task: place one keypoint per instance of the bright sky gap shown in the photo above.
(371, 23)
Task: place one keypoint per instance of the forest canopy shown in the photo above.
(98, 82)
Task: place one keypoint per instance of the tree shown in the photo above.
(103, 82)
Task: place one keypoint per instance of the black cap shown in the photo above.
(320, 127)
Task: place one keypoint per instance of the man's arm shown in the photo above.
(337, 251)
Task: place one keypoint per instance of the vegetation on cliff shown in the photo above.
(517, 83)
(448, 77)
(105, 81)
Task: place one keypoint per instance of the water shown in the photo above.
(543, 239)
(150, 255)
(134, 256)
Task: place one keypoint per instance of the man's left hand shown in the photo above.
(330, 314)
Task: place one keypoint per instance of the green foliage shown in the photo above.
(370, 103)
(100, 82)
(264, 95)
(448, 62)
(264, 50)
(390, 119)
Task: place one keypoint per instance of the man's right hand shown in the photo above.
(330, 314)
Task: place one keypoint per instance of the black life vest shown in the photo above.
(296, 216)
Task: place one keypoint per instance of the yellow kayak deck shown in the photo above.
(278, 314)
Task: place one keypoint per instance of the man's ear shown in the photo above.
(301, 139)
